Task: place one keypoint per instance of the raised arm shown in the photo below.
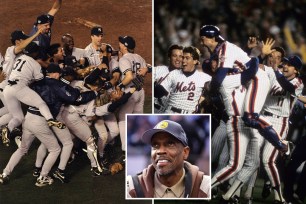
(55, 7)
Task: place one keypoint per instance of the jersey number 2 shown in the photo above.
(190, 96)
(19, 65)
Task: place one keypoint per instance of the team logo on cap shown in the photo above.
(162, 125)
(99, 30)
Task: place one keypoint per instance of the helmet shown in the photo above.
(210, 31)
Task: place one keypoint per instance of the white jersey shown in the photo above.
(160, 73)
(231, 55)
(93, 55)
(1, 61)
(26, 70)
(79, 53)
(8, 64)
(185, 91)
(279, 102)
(233, 94)
(84, 109)
(130, 62)
(113, 64)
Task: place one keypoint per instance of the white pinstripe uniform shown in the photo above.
(25, 71)
(242, 142)
(130, 62)
(79, 53)
(184, 91)
(160, 73)
(278, 104)
(108, 120)
(7, 65)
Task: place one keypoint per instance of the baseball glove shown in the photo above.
(115, 168)
(138, 82)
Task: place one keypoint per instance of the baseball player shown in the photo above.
(243, 144)
(129, 64)
(25, 71)
(56, 54)
(184, 86)
(56, 93)
(44, 40)
(19, 42)
(228, 55)
(175, 56)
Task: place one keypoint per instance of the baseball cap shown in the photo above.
(97, 30)
(294, 61)
(71, 61)
(18, 35)
(53, 68)
(68, 71)
(32, 47)
(42, 19)
(171, 127)
(128, 42)
(210, 31)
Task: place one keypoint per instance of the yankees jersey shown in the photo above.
(114, 64)
(130, 62)
(1, 61)
(26, 70)
(84, 109)
(185, 90)
(230, 55)
(8, 64)
(279, 101)
(161, 72)
(79, 53)
(233, 94)
(94, 58)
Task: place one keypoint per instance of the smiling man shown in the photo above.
(183, 86)
(169, 175)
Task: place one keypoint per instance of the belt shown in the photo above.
(178, 110)
(35, 112)
(270, 114)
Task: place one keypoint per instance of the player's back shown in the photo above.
(160, 72)
(131, 62)
(26, 70)
(79, 53)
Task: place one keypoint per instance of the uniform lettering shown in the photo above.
(180, 87)
(277, 91)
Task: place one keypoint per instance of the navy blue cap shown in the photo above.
(294, 61)
(168, 126)
(18, 35)
(97, 30)
(128, 41)
(71, 61)
(32, 47)
(42, 19)
(68, 71)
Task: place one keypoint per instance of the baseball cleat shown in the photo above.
(95, 172)
(5, 136)
(266, 190)
(43, 181)
(36, 171)
(58, 124)
(4, 179)
(60, 175)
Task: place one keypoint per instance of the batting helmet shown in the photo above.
(294, 61)
(211, 31)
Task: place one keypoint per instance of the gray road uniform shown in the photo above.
(130, 62)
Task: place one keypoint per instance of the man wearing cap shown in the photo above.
(98, 51)
(55, 92)
(129, 64)
(169, 175)
(46, 21)
(26, 70)
(19, 42)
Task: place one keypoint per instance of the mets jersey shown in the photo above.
(185, 89)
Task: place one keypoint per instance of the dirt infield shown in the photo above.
(129, 17)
